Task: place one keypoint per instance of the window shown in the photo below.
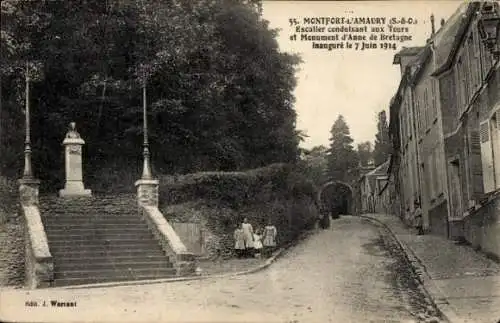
(430, 176)
(439, 171)
(433, 99)
(485, 136)
(487, 157)
(426, 107)
(495, 146)
(477, 59)
(418, 117)
(460, 86)
(408, 112)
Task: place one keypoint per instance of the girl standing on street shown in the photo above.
(269, 241)
(257, 243)
(247, 236)
(239, 241)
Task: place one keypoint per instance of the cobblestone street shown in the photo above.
(350, 273)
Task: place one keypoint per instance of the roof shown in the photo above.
(406, 51)
(448, 39)
(419, 63)
(396, 102)
(381, 170)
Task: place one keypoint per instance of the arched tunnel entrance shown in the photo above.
(336, 198)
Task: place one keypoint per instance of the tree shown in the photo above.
(219, 91)
(315, 164)
(342, 158)
(365, 153)
(382, 148)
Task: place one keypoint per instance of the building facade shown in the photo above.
(449, 95)
(371, 186)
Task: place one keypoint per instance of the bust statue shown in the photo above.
(72, 133)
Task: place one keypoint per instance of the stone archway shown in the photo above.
(336, 197)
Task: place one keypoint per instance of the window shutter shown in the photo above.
(475, 164)
(430, 179)
(440, 169)
(487, 158)
(495, 146)
(433, 100)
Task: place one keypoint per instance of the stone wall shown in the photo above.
(482, 227)
(11, 250)
(11, 236)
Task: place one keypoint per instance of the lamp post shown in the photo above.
(147, 186)
(488, 27)
(28, 171)
(146, 169)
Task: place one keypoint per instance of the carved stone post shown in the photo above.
(73, 160)
(147, 192)
(28, 191)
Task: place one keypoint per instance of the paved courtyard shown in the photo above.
(350, 273)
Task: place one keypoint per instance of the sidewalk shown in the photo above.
(464, 284)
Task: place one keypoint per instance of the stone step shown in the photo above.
(77, 231)
(115, 253)
(65, 266)
(49, 221)
(99, 236)
(54, 227)
(100, 274)
(94, 209)
(88, 213)
(54, 218)
(117, 278)
(111, 228)
(101, 239)
(90, 202)
(95, 198)
(101, 244)
(86, 258)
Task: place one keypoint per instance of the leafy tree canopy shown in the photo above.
(343, 160)
(365, 153)
(382, 148)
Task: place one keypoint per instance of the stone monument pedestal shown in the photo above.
(73, 159)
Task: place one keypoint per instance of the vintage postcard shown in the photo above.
(249, 161)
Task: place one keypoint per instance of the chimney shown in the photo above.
(432, 25)
(442, 22)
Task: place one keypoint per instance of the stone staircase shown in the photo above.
(101, 239)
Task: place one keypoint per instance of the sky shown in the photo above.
(355, 84)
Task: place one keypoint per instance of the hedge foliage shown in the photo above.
(221, 200)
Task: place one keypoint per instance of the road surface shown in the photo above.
(349, 273)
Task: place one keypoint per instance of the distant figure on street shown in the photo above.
(418, 219)
(269, 238)
(257, 243)
(239, 241)
(247, 236)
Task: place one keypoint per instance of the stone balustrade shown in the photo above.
(183, 260)
(39, 265)
(147, 197)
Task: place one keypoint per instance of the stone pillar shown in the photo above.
(73, 160)
(147, 192)
(28, 191)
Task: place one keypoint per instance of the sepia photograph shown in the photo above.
(250, 161)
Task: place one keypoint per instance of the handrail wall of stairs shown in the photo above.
(39, 264)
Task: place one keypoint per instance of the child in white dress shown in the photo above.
(257, 243)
